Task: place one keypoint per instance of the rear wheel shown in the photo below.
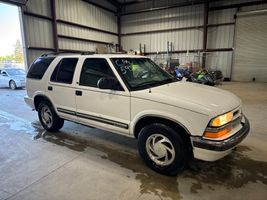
(162, 149)
(48, 117)
(12, 85)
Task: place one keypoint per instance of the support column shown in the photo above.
(23, 37)
(205, 32)
(54, 24)
(119, 28)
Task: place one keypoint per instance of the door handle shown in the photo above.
(78, 93)
(50, 88)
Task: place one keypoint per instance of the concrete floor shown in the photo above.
(85, 163)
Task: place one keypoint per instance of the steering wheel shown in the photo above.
(143, 74)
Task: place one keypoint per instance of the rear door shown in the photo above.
(103, 108)
(61, 87)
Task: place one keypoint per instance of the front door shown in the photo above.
(103, 108)
(4, 79)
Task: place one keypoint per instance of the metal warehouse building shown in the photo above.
(222, 30)
(134, 100)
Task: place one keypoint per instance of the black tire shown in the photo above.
(12, 85)
(53, 122)
(181, 157)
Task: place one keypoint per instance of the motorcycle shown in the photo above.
(203, 77)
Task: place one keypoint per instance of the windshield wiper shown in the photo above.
(156, 83)
(169, 80)
(148, 83)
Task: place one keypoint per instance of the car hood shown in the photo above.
(18, 77)
(196, 97)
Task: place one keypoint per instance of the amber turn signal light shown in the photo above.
(218, 134)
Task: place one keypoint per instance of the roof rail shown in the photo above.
(68, 52)
(118, 53)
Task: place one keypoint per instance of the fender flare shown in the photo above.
(167, 116)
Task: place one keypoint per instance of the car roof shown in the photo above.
(68, 55)
(7, 68)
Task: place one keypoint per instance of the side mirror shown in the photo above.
(4, 74)
(107, 83)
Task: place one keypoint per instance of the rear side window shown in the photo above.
(64, 70)
(39, 67)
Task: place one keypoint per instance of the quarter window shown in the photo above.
(94, 69)
(64, 70)
(39, 67)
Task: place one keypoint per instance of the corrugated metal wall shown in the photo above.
(251, 8)
(188, 16)
(41, 7)
(86, 14)
(76, 45)
(182, 40)
(151, 3)
(38, 31)
(227, 2)
(221, 37)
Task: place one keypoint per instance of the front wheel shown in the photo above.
(162, 149)
(48, 117)
(12, 85)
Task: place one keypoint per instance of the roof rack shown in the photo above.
(68, 52)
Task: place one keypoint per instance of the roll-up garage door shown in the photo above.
(250, 55)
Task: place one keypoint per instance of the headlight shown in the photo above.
(215, 129)
(222, 120)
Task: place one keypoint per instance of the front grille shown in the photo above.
(236, 113)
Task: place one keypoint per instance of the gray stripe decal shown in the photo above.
(91, 117)
(66, 111)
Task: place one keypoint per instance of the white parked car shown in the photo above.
(132, 96)
(13, 78)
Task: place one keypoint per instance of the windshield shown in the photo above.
(14, 72)
(141, 73)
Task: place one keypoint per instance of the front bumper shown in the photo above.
(20, 84)
(211, 150)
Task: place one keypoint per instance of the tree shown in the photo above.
(18, 53)
(7, 58)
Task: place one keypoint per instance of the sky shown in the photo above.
(9, 28)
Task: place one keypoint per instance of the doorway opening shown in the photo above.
(11, 42)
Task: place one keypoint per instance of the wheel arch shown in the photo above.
(149, 119)
(40, 97)
(11, 80)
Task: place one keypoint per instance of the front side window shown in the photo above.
(141, 73)
(64, 71)
(39, 67)
(93, 70)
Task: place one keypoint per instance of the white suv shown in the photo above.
(131, 95)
